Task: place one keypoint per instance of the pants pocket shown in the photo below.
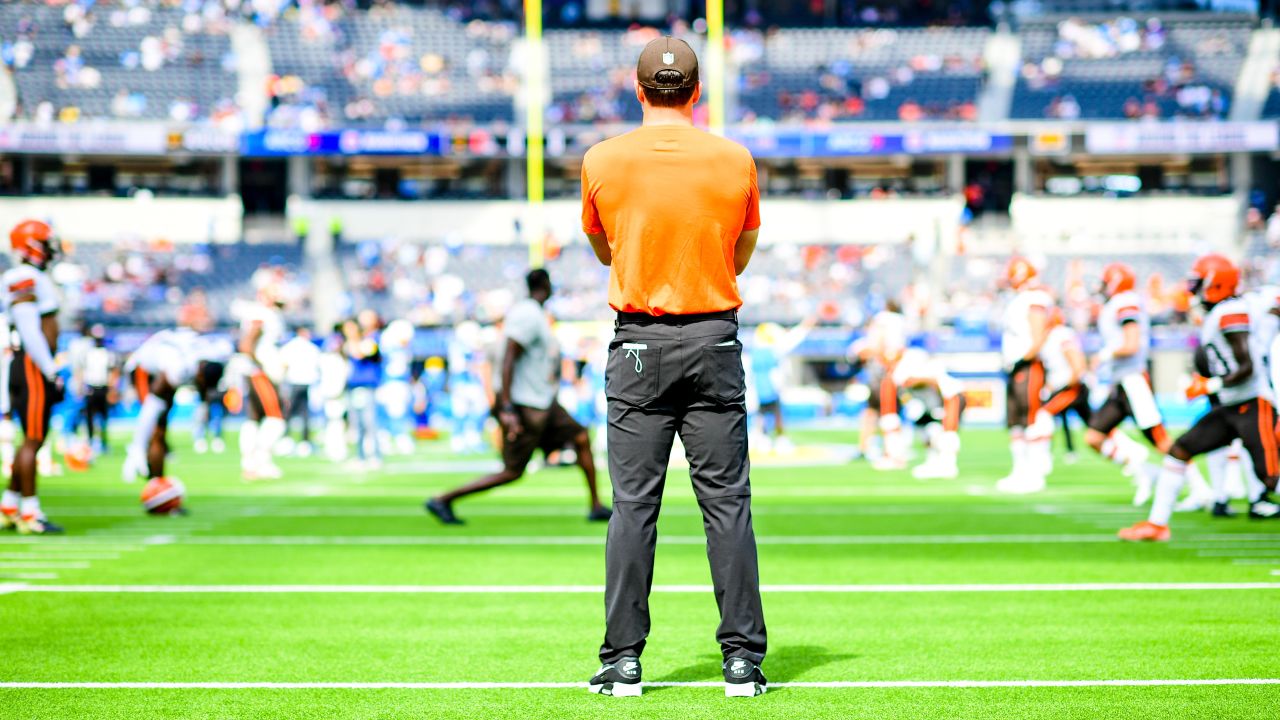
(631, 375)
(722, 378)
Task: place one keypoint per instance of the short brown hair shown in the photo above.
(672, 97)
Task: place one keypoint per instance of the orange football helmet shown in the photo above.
(1019, 272)
(1118, 277)
(1214, 278)
(32, 241)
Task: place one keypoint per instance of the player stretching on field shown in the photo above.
(1236, 379)
(880, 349)
(1026, 327)
(1126, 337)
(261, 330)
(917, 371)
(32, 302)
(166, 361)
(1064, 367)
(527, 408)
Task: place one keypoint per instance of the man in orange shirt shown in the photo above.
(675, 213)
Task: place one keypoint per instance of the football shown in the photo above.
(163, 496)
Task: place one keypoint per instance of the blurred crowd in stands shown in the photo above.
(382, 62)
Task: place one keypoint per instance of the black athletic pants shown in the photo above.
(300, 407)
(681, 375)
(96, 410)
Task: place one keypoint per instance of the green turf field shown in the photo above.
(983, 606)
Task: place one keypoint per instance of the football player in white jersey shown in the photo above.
(31, 300)
(1126, 339)
(8, 432)
(1065, 368)
(880, 349)
(166, 361)
(1026, 327)
(261, 332)
(918, 371)
(1236, 378)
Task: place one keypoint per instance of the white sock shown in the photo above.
(1018, 448)
(1219, 462)
(948, 446)
(1041, 454)
(31, 507)
(248, 442)
(9, 499)
(270, 430)
(1173, 473)
(1195, 481)
(148, 417)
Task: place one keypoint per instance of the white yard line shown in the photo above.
(598, 540)
(816, 685)
(596, 589)
(41, 555)
(76, 565)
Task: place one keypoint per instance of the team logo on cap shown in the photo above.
(668, 58)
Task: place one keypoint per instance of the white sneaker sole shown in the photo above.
(616, 689)
(750, 689)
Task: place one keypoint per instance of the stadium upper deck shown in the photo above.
(331, 65)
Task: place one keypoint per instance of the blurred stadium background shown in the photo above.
(417, 157)
(195, 150)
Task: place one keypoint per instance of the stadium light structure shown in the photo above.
(535, 112)
(715, 61)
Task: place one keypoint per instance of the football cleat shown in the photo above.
(1264, 509)
(1222, 510)
(599, 514)
(1021, 484)
(1145, 531)
(38, 526)
(8, 518)
(743, 678)
(620, 679)
(936, 469)
(443, 511)
(888, 463)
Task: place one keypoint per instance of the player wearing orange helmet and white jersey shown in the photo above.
(262, 329)
(1236, 378)
(1125, 328)
(1026, 327)
(1065, 368)
(31, 300)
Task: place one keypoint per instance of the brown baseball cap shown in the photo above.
(667, 54)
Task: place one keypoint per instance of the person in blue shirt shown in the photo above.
(362, 351)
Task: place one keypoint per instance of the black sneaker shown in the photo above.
(620, 679)
(1264, 508)
(1222, 510)
(443, 511)
(743, 678)
(600, 514)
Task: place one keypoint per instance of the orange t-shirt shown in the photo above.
(672, 200)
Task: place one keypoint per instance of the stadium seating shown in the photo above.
(1112, 68)
(414, 65)
(865, 74)
(104, 73)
